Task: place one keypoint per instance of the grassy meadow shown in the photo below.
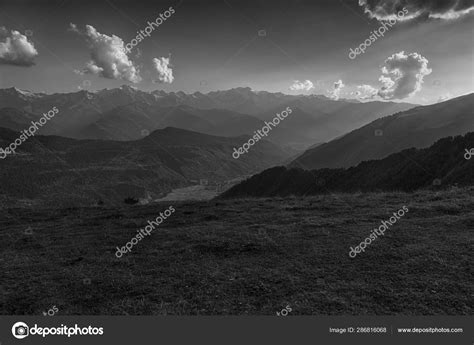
(244, 257)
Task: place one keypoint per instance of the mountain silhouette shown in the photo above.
(52, 169)
(442, 164)
(418, 127)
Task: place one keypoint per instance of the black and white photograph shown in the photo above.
(235, 163)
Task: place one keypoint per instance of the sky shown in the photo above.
(293, 46)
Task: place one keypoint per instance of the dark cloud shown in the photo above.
(442, 9)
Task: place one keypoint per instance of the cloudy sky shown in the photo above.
(294, 46)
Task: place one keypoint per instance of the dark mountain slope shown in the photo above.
(418, 127)
(61, 170)
(407, 170)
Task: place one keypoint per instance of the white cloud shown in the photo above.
(444, 9)
(162, 67)
(403, 75)
(335, 93)
(300, 86)
(108, 56)
(445, 97)
(16, 49)
(367, 91)
(73, 28)
(452, 14)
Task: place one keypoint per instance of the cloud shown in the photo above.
(299, 86)
(73, 28)
(366, 91)
(162, 67)
(403, 75)
(108, 56)
(440, 9)
(445, 97)
(16, 49)
(338, 86)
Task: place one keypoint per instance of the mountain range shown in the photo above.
(112, 145)
(126, 113)
(418, 127)
(52, 170)
(442, 164)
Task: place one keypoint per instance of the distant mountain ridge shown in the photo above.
(418, 127)
(442, 164)
(123, 113)
(54, 170)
